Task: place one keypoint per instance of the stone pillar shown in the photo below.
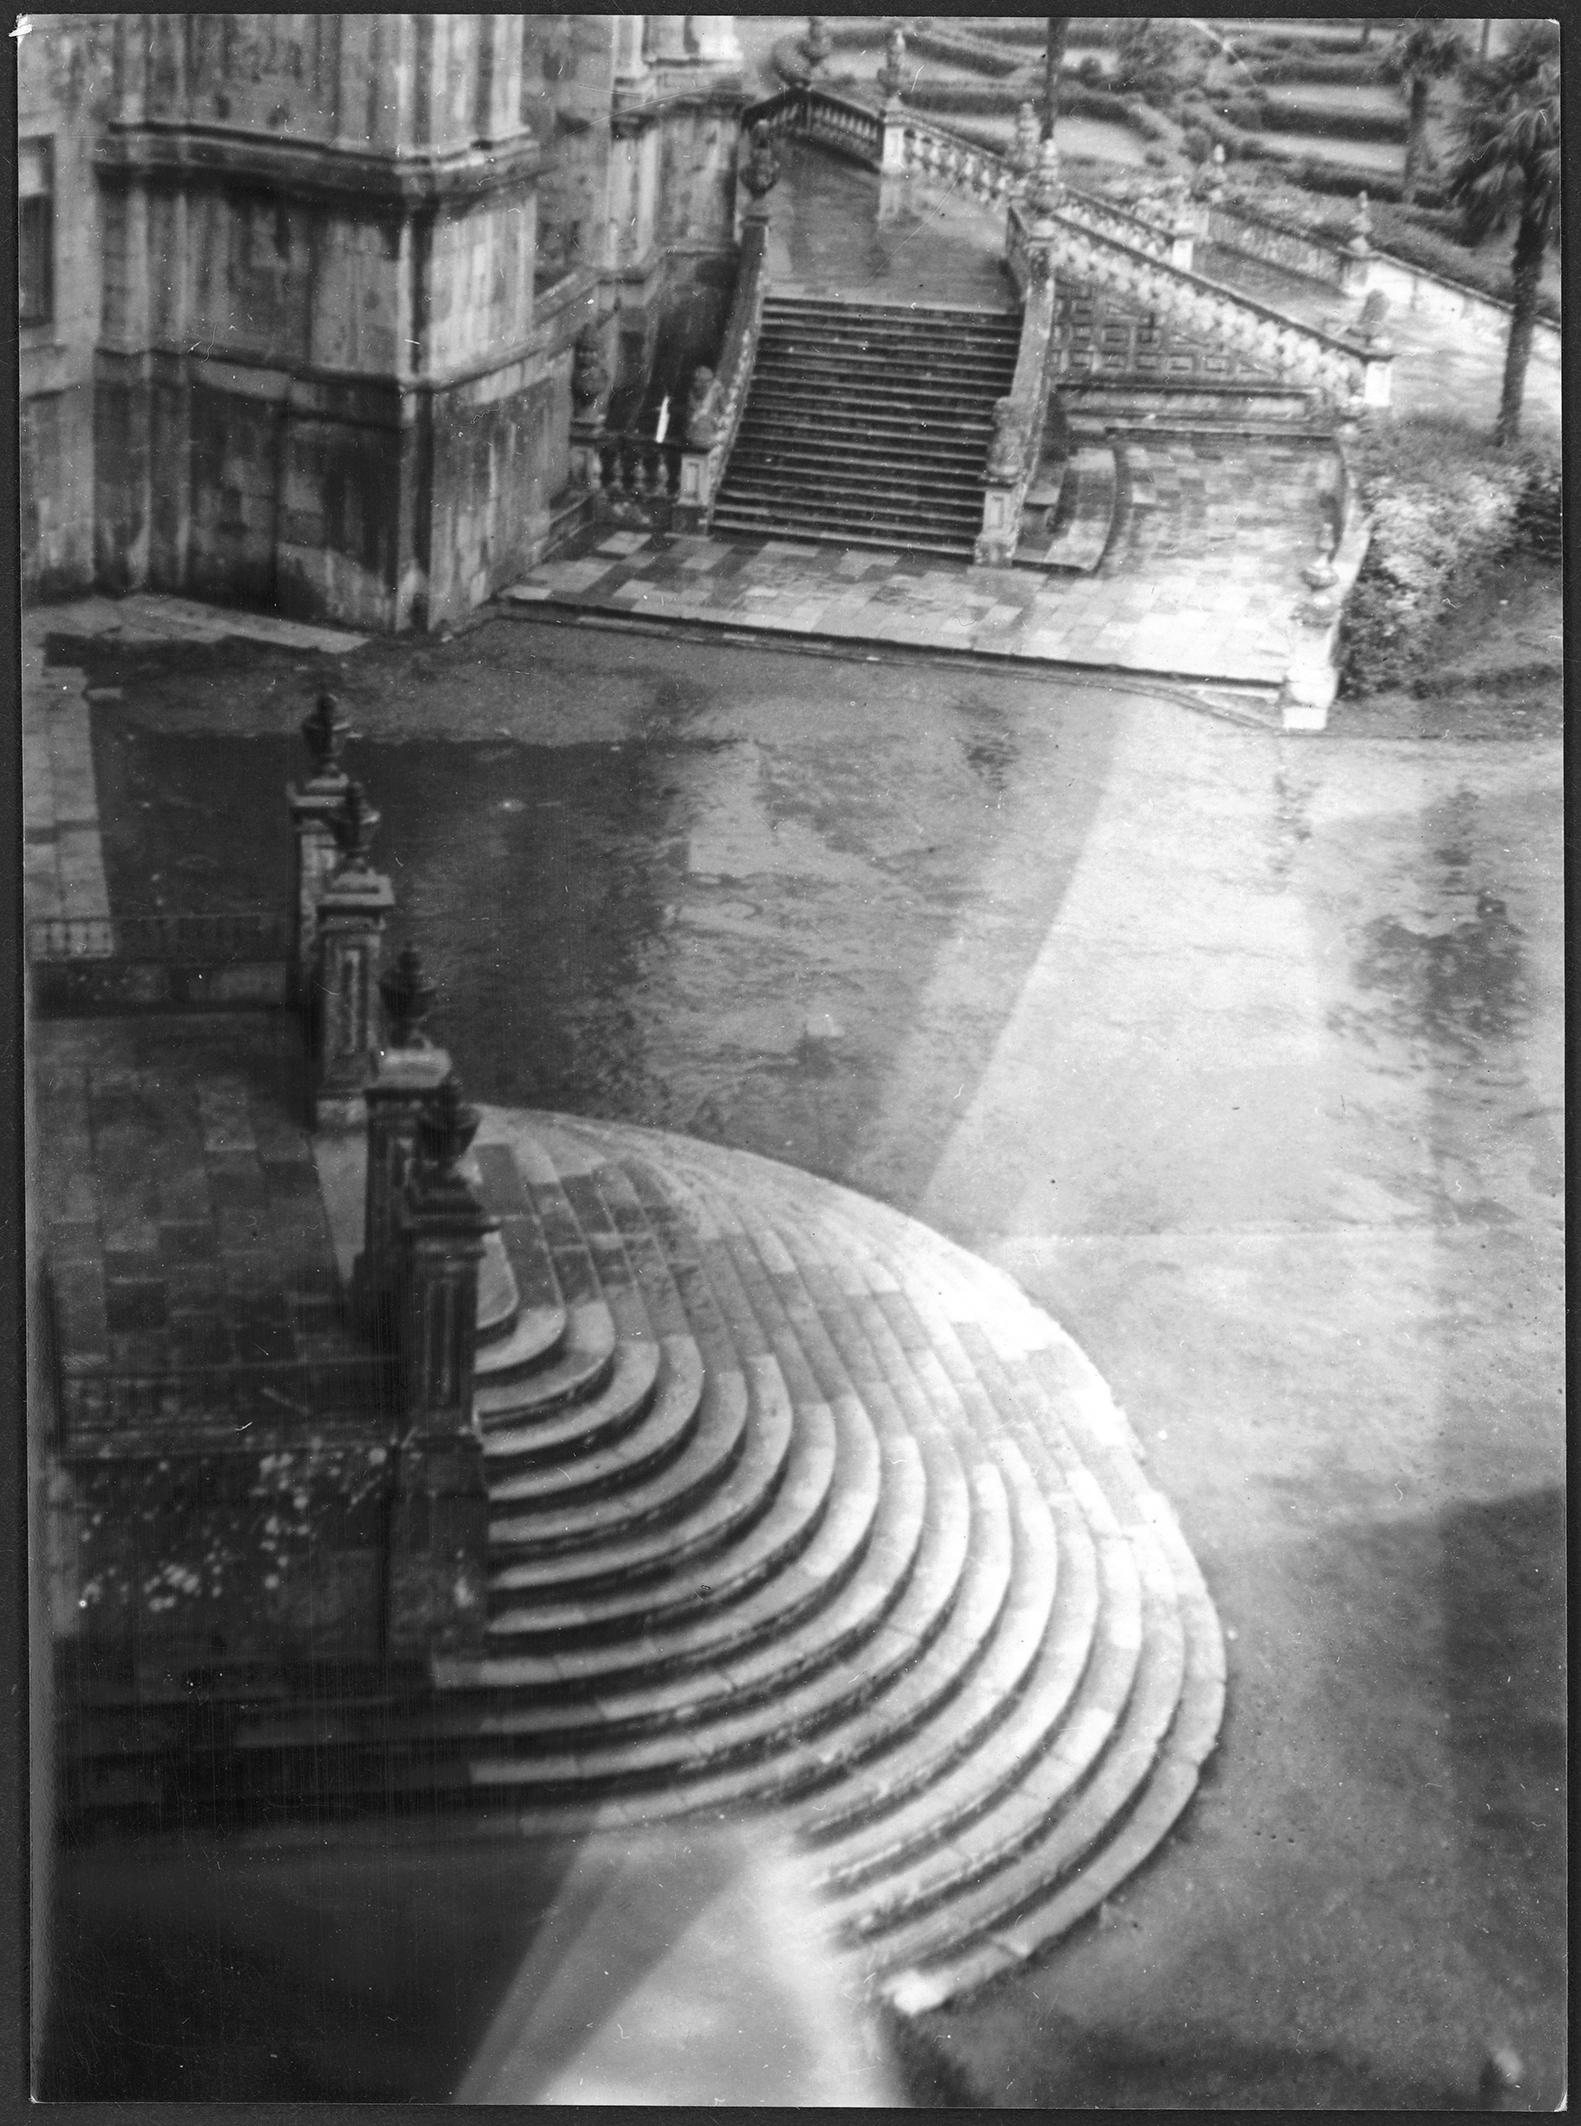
(1043, 195)
(439, 1528)
(313, 806)
(351, 916)
(409, 1072)
(590, 382)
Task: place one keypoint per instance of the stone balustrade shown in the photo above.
(1020, 417)
(1298, 354)
(805, 111)
(916, 148)
(1106, 218)
(635, 475)
(701, 465)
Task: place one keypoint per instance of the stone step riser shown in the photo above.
(953, 458)
(588, 1427)
(782, 1533)
(983, 1684)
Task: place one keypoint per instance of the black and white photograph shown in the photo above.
(791, 1030)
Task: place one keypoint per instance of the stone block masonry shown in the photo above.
(295, 353)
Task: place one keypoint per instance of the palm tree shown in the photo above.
(1428, 50)
(1053, 60)
(1508, 170)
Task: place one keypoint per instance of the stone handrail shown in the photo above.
(807, 112)
(1300, 354)
(702, 465)
(1108, 219)
(935, 153)
(1022, 416)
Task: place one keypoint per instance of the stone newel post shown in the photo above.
(352, 910)
(313, 806)
(410, 1071)
(439, 1529)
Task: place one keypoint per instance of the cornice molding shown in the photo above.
(315, 171)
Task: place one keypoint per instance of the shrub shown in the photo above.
(1412, 238)
(1346, 70)
(1195, 144)
(1288, 117)
(1441, 499)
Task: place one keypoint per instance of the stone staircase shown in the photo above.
(795, 1506)
(868, 423)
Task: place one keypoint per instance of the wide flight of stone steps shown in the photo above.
(868, 423)
(795, 1506)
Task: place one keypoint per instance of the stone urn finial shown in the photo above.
(408, 993)
(1024, 151)
(589, 376)
(892, 74)
(324, 733)
(352, 825)
(1045, 193)
(760, 166)
(446, 1129)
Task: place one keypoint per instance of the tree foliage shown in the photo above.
(1426, 50)
(1507, 171)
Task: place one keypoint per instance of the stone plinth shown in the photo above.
(351, 917)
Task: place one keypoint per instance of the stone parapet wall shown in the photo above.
(1276, 245)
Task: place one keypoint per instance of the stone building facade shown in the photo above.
(304, 289)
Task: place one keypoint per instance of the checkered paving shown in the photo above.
(1201, 579)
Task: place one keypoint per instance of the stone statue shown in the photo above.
(589, 376)
(892, 74)
(760, 168)
(1361, 228)
(704, 407)
(817, 44)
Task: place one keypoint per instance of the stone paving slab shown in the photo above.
(180, 1200)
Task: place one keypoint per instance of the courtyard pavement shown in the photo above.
(1201, 584)
(1243, 1054)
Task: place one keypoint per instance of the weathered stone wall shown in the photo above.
(291, 329)
(65, 68)
(343, 260)
(565, 88)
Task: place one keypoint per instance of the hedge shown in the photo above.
(1396, 230)
(934, 43)
(1284, 117)
(1352, 70)
(1441, 499)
